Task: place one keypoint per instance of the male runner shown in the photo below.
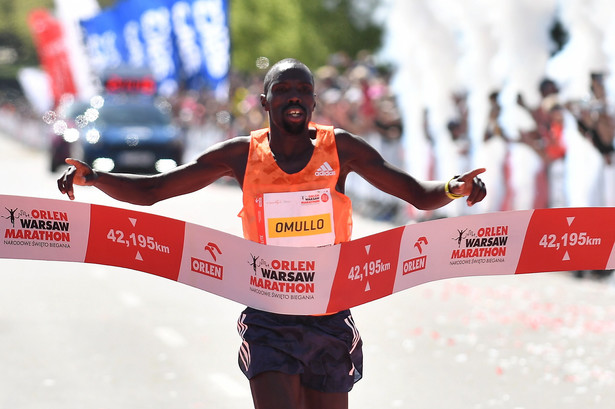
(293, 362)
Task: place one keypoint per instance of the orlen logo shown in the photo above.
(208, 268)
(325, 170)
(417, 263)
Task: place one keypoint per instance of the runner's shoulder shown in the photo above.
(234, 145)
(228, 151)
(342, 133)
(239, 140)
(348, 142)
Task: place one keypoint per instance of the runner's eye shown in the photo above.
(306, 89)
(279, 88)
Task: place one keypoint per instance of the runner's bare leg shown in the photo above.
(276, 390)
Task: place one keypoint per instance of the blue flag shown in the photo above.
(178, 40)
(103, 41)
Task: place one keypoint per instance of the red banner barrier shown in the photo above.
(316, 280)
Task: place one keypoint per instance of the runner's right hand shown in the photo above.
(79, 173)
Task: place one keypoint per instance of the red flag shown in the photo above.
(51, 48)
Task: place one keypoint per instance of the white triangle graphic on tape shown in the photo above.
(138, 257)
(367, 287)
(367, 248)
(133, 221)
(566, 257)
(570, 220)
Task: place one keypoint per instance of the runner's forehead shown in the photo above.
(292, 73)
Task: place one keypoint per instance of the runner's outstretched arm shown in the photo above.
(358, 156)
(223, 159)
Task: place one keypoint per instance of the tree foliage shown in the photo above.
(14, 30)
(308, 30)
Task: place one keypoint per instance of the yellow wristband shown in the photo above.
(448, 192)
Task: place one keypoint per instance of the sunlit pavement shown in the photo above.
(88, 336)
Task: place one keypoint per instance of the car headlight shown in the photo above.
(163, 165)
(103, 164)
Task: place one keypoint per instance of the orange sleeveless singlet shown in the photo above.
(299, 209)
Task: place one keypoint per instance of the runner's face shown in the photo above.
(290, 100)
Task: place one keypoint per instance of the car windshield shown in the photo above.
(133, 115)
(76, 109)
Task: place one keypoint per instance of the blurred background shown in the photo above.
(521, 87)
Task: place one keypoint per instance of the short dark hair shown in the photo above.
(547, 83)
(280, 65)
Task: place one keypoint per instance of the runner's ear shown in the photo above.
(264, 101)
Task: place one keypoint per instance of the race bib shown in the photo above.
(298, 219)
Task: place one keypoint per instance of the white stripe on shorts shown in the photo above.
(244, 349)
(355, 332)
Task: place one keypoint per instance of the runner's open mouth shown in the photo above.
(295, 113)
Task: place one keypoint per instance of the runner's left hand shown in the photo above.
(469, 185)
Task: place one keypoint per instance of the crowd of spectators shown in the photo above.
(566, 159)
(18, 119)
(573, 143)
(355, 94)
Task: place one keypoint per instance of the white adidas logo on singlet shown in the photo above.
(325, 170)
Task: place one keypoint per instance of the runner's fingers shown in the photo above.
(471, 176)
(65, 182)
(471, 199)
(478, 192)
(61, 186)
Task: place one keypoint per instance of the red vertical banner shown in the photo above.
(366, 270)
(136, 240)
(51, 48)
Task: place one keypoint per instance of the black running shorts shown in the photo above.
(324, 350)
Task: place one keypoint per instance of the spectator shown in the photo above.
(493, 152)
(594, 150)
(547, 141)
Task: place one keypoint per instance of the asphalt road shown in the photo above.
(96, 337)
